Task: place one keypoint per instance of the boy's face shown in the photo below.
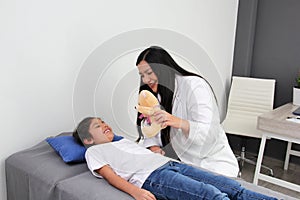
(100, 132)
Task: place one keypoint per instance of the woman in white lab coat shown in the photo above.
(189, 113)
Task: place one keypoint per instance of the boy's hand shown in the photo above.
(142, 194)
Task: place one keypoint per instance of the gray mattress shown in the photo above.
(38, 173)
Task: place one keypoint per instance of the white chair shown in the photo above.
(248, 98)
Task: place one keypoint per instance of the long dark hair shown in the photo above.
(165, 68)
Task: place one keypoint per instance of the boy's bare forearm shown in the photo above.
(118, 182)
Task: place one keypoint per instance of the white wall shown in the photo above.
(44, 44)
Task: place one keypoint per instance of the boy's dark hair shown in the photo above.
(82, 130)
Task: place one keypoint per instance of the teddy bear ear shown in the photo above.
(146, 98)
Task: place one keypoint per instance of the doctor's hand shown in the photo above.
(157, 149)
(165, 119)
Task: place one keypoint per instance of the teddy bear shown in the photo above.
(147, 105)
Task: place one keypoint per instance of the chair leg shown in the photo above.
(242, 159)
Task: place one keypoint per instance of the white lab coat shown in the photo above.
(206, 145)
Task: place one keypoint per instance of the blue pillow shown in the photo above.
(68, 148)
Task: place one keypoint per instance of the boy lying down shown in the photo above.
(146, 175)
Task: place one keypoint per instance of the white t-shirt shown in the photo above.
(128, 160)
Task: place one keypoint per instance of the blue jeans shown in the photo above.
(180, 181)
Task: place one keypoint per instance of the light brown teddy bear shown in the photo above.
(147, 105)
